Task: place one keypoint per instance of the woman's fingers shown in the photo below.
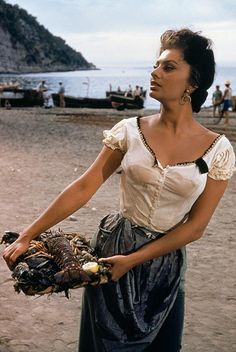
(8, 259)
(7, 252)
(112, 262)
(13, 251)
(118, 266)
(8, 256)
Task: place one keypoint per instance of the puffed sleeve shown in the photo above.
(223, 164)
(116, 138)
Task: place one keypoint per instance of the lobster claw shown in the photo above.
(84, 276)
(71, 275)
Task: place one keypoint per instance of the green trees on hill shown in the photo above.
(40, 45)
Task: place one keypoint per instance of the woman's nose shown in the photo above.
(155, 72)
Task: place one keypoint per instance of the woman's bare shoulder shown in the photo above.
(150, 119)
(207, 132)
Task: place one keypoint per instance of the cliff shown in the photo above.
(26, 46)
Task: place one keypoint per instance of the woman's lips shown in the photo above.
(154, 85)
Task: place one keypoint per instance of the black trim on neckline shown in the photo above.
(199, 161)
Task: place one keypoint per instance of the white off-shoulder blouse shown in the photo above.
(159, 197)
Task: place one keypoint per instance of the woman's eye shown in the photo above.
(168, 68)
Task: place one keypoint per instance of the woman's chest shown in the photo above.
(173, 151)
(141, 169)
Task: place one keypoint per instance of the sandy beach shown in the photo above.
(41, 152)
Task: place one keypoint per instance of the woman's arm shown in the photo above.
(71, 199)
(185, 233)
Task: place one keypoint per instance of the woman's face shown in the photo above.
(170, 77)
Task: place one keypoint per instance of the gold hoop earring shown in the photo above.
(186, 98)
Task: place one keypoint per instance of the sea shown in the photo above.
(95, 83)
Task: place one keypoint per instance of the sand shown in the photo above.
(41, 152)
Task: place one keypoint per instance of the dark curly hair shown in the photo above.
(197, 52)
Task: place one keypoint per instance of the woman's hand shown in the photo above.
(120, 265)
(14, 250)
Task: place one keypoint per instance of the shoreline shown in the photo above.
(204, 112)
(112, 116)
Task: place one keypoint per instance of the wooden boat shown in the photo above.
(115, 92)
(121, 102)
(113, 101)
(31, 98)
(123, 92)
(20, 98)
(79, 102)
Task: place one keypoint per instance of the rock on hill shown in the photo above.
(26, 46)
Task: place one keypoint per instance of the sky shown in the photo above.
(111, 32)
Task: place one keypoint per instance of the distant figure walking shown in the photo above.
(42, 89)
(61, 92)
(227, 102)
(216, 100)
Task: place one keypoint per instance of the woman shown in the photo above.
(175, 172)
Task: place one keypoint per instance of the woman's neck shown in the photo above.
(177, 119)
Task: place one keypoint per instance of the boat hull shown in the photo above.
(121, 103)
(20, 98)
(123, 93)
(77, 102)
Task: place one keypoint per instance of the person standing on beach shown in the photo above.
(216, 98)
(61, 92)
(136, 92)
(227, 102)
(174, 173)
(42, 89)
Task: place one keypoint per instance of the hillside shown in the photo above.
(26, 46)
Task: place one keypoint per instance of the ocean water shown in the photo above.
(95, 83)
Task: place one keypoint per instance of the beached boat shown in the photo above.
(20, 98)
(31, 98)
(121, 102)
(115, 92)
(79, 102)
(123, 93)
(114, 101)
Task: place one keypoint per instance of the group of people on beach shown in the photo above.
(130, 92)
(133, 93)
(46, 95)
(222, 102)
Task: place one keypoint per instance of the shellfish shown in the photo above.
(53, 263)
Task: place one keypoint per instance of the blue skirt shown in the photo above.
(127, 315)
